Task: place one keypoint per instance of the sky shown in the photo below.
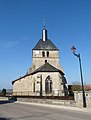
(21, 22)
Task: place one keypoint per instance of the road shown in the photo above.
(17, 111)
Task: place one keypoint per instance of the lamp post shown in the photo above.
(83, 91)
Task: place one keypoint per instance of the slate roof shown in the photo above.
(45, 45)
(47, 68)
(44, 68)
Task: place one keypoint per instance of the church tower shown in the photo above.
(45, 51)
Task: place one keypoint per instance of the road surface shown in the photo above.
(17, 111)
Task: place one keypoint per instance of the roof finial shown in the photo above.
(44, 31)
(44, 23)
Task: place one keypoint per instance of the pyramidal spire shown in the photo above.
(44, 32)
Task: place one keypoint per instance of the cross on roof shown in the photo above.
(44, 23)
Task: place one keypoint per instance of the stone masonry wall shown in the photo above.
(79, 98)
(38, 59)
(57, 86)
(25, 86)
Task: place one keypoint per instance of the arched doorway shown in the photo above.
(48, 85)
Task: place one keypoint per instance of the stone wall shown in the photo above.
(57, 85)
(49, 101)
(79, 98)
(53, 58)
(3, 98)
(25, 86)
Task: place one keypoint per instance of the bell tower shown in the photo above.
(45, 51)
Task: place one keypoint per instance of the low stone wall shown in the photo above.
(77, 102)
(3, 98)
(48, 101)
(78, 97)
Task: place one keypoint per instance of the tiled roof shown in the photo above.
(44, 68)
(45, 45)
(47, 68)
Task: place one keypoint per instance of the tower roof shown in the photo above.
(45, 43)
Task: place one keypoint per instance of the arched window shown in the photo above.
(48, 85)
(47, 53)
(43, 54)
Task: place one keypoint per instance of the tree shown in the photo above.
(4, 92)
(76, 86)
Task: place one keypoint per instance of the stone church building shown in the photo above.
(45, 76)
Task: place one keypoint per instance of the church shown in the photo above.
(46, 76)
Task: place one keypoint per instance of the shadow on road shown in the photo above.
(9, 100)
(1, 118)
(6, 101)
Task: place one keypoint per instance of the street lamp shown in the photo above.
(83, 91)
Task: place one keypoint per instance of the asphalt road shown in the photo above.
(17, 111)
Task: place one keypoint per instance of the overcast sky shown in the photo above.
(21, 22)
